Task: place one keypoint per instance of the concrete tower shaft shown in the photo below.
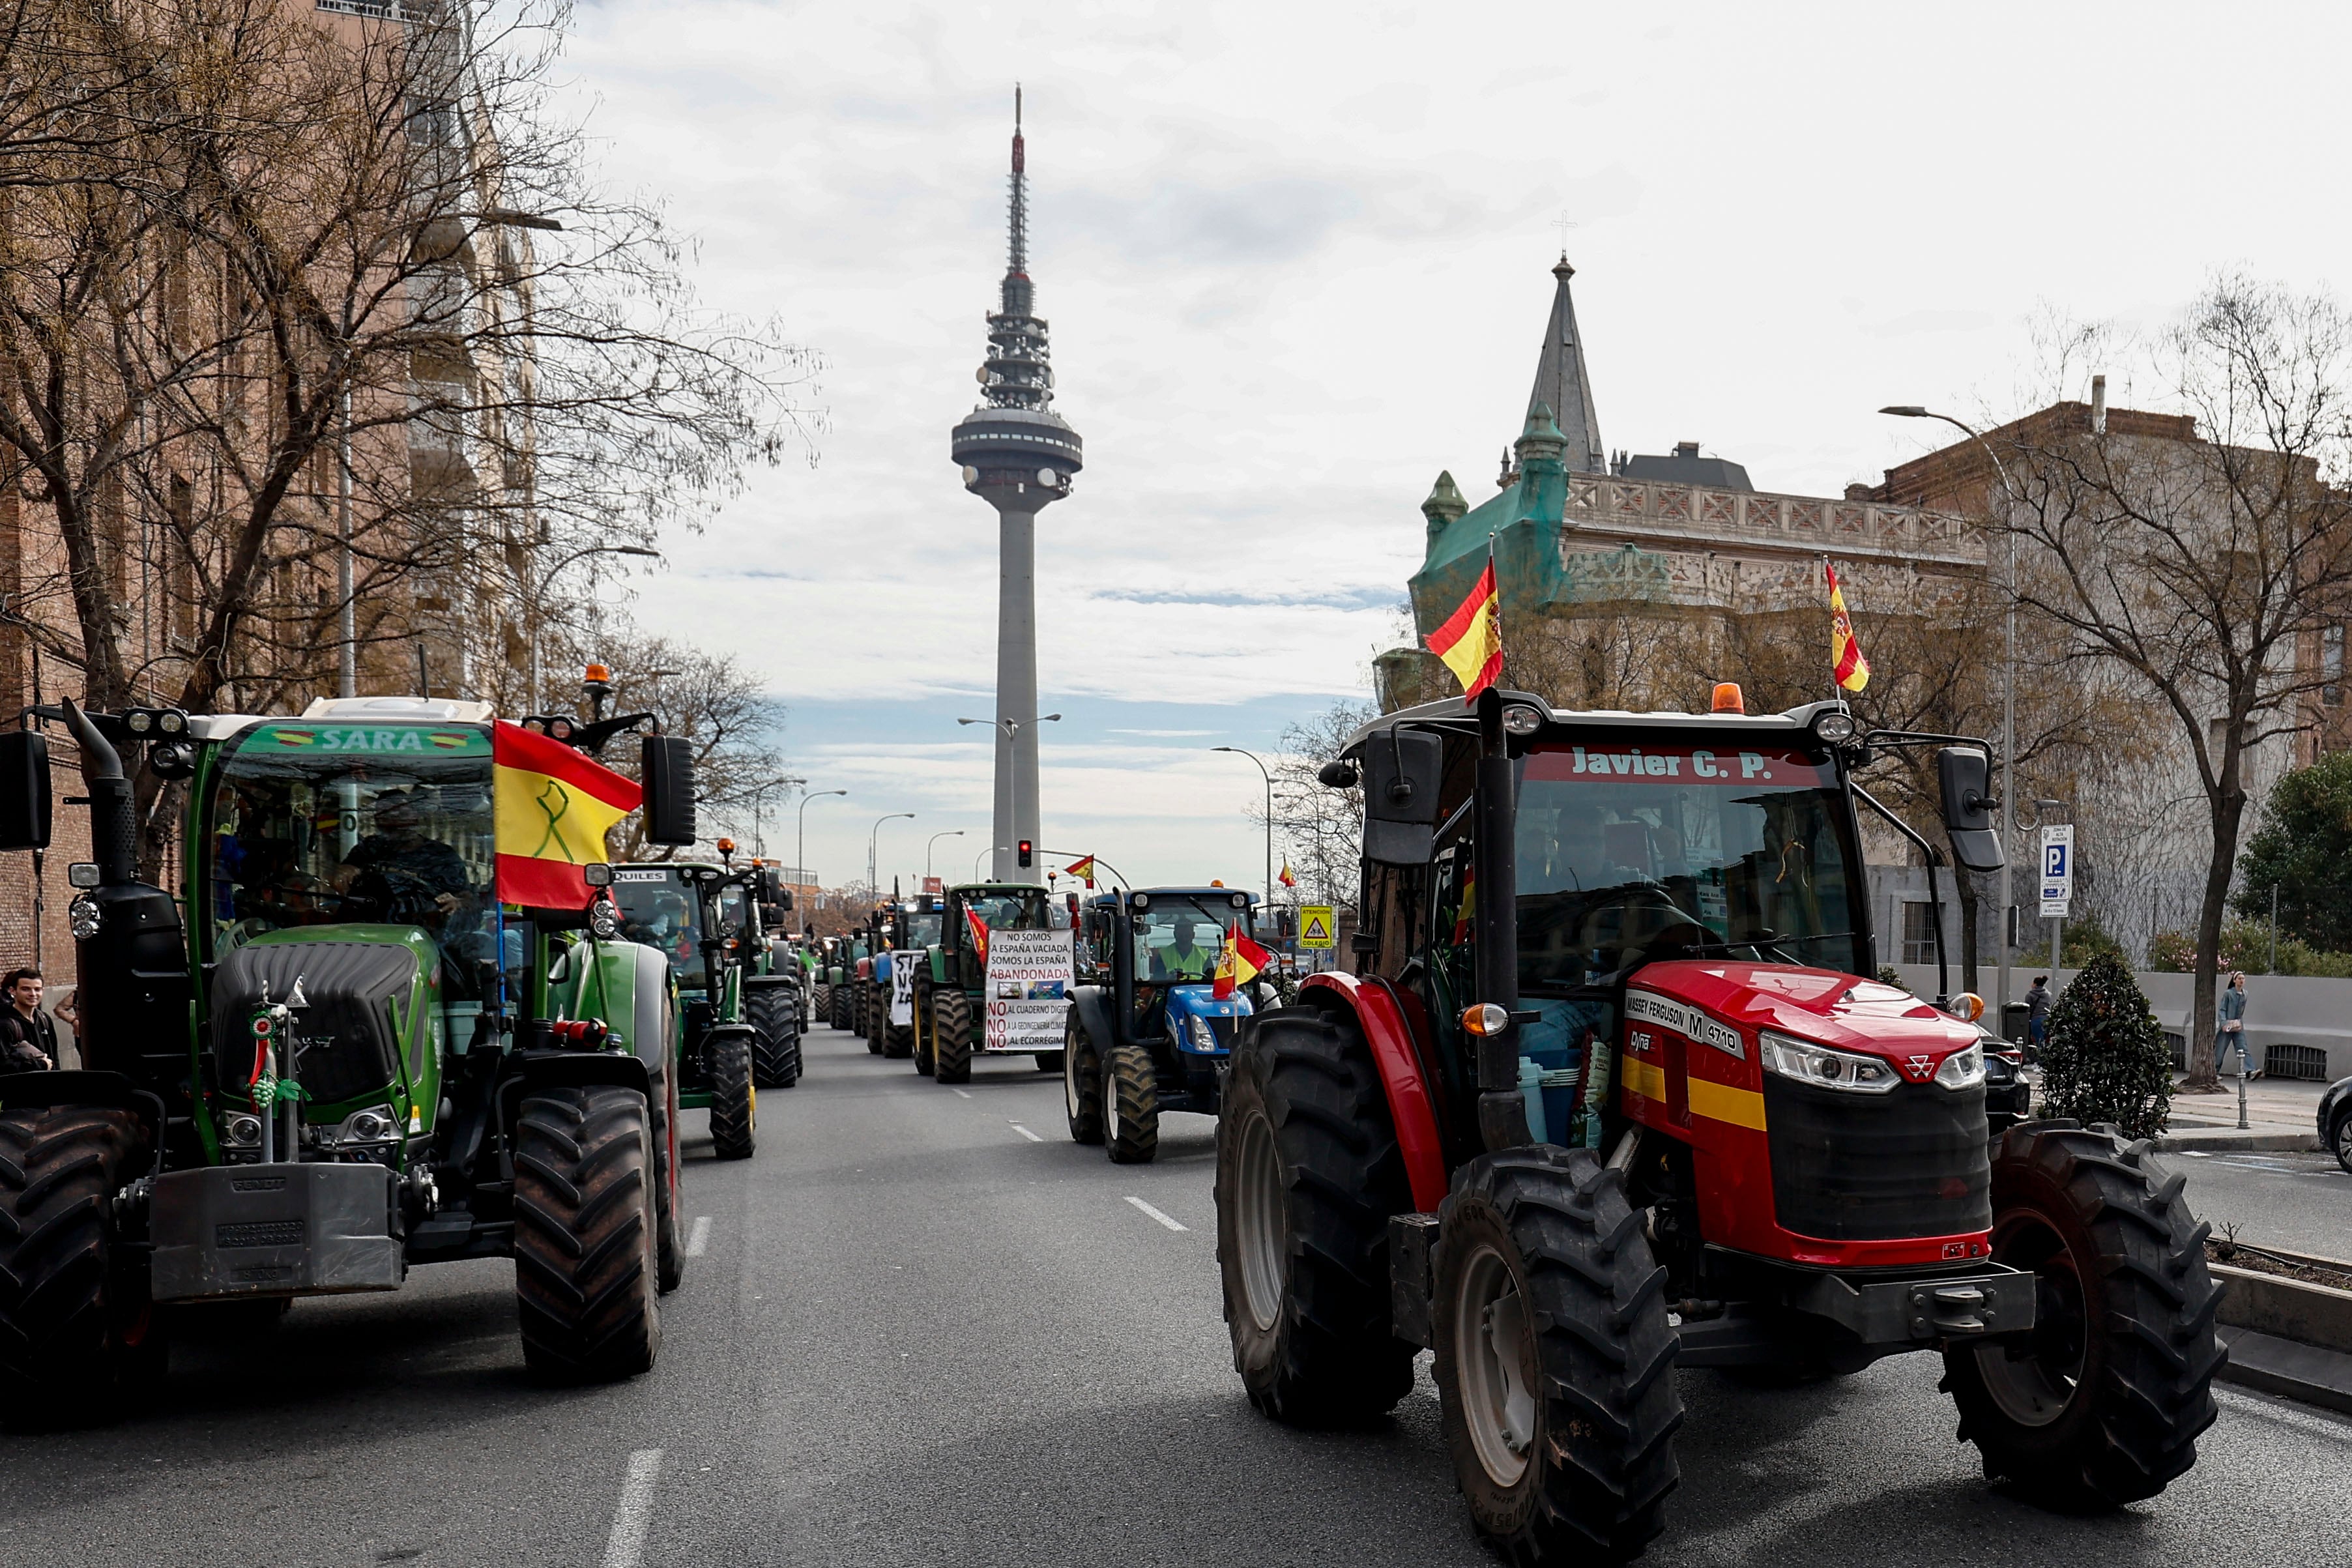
(1019, 456)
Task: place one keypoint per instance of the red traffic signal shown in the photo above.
(1028, 854)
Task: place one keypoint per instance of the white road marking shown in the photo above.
(966, 1093)
(1026, 1133)
(2197, 1153)
(699, 1236)
(1155, 1213)
(625, 1547)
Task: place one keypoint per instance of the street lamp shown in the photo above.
(800, 849)
(537, 597)
(1012, 729)
(2008, 669)
(759, 800)
(872, 879)
(1253, 756)
(976, 860)
(933, 843)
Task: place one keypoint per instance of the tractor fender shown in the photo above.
(865, 969)
(1410, 1107)
(536, 1070)
(627, 985)
(1092, 1005)
(881, 968)
(780, 981)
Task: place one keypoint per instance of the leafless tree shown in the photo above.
(1320, 829)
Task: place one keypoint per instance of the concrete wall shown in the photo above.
(2280, 1010)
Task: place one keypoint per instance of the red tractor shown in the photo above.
(1613, 1091)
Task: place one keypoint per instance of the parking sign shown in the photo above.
(2057, 871)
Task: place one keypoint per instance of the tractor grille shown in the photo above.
(1222, 1029)
(1851, 1167)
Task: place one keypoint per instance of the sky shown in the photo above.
(1296, 261)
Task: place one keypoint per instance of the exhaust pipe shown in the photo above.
(113, 825)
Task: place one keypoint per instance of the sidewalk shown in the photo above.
(2279, 1116)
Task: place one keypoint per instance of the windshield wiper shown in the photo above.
(1771, 941)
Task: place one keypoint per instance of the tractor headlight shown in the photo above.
(1963, 1069)
(378, 1124)
(243, 1131)
(1204, 1038)
(82, 918)
(604, 919)
(1824, 1068)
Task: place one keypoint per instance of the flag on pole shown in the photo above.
(553, 805)
(1287, 879)
(1471, 640)
(1238, 962)
(1852, 670)
(1085, 868)
(978, 928)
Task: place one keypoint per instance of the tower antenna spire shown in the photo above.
(1020, 215)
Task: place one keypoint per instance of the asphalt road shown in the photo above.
(2301, 1202)
(926, 1327)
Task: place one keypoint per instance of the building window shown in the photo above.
(1919, 933)
(2331, 663)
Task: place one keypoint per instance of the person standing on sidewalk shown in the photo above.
(28, 1039)
(2230, 1034)
(2037, 1012)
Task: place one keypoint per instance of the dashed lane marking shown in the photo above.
(1026, 1133)
(965, 1092)
(699, 1236)
(1155, 1213)
(626, 1547)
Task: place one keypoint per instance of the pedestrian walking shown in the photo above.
(2037, 1012)
(28, 1038)
(2231, 1033)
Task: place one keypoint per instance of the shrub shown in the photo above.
(2107, 1060)
(2246, 946)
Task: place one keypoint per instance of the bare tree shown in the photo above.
(2199, 563)
(1320, 828)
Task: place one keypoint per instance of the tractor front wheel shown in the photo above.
(774, 1013)
(1554, 1357)
(1081, 1083)
(1130, 1102)
(79, 1333)
(669, 1244)
(2102, 1403)
(584, 1234)
(1307, 1174)
(734, 1102)
(951, 1037)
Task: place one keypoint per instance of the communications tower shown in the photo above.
(1017, 455)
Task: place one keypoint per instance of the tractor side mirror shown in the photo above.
(668, 773)
(1965, 773)
(24, 790)
(1401, 769)
(1337, 775)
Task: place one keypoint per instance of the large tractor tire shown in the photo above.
(951, 1037)
(586, 1269)
(669, 1229)
(1130, 1105)
(878, 1020)
(821, 1004)
(774, 1013)
(1555, 1358)
(79, 1337)
(838, 1012)
(1307, 1174)
(1081, 1083)
(1049, 1061)
(925, 1040)
(734, 1100)
(899, 1040)
(2103, 1403)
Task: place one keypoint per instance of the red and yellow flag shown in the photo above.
(1852, 670)
(1238, 962)
(1085, 868)
(1287, 879)
(552, 807)
(1471, 640)
(978, 928)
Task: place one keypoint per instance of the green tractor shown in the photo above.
(739, 1024)
(840, 979)
(969, 1002)
(398, 1025)
(900, 933)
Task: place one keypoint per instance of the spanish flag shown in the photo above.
(1085, 868)
(553, 806)
(1471, 640)
(1852, 670)
(1287, 879)
(1238, 962)
(978, 928)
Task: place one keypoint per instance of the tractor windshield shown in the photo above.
(1009, 911)
(1177, 939)
(922, 928)
(660, 911)
(316, 825)
(1634, 853)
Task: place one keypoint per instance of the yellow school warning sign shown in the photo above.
(1315, 923)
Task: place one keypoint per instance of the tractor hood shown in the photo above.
(1822, 1005)
(367, 989)
(1201, 1001)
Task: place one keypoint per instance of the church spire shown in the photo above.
(1562, 385)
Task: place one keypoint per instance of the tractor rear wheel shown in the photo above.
(2104, 1402)
(774, 1013)
(1555, 1357)
(79, 1333)
(1081, 1083)
(1307, 1174)
(951, 1037)
(669, 1240)
(836, 1009)
(878, 1020)
(899, 1040)
(734, 1102)
(1130, 1102)
(584, 1207)
(926, 1033)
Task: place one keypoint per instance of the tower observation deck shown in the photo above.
(1017, 455)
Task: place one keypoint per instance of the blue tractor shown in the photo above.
(1148, 1033)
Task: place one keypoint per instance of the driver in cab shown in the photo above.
(405, 859)
(1185, 959)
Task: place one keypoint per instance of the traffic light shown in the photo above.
(1028, 854)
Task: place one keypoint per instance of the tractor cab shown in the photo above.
(705, 918)
(1151, 1012)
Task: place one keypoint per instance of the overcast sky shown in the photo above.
(1296, 259)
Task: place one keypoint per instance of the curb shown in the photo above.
(2230, 1139)
(2305, 1374)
